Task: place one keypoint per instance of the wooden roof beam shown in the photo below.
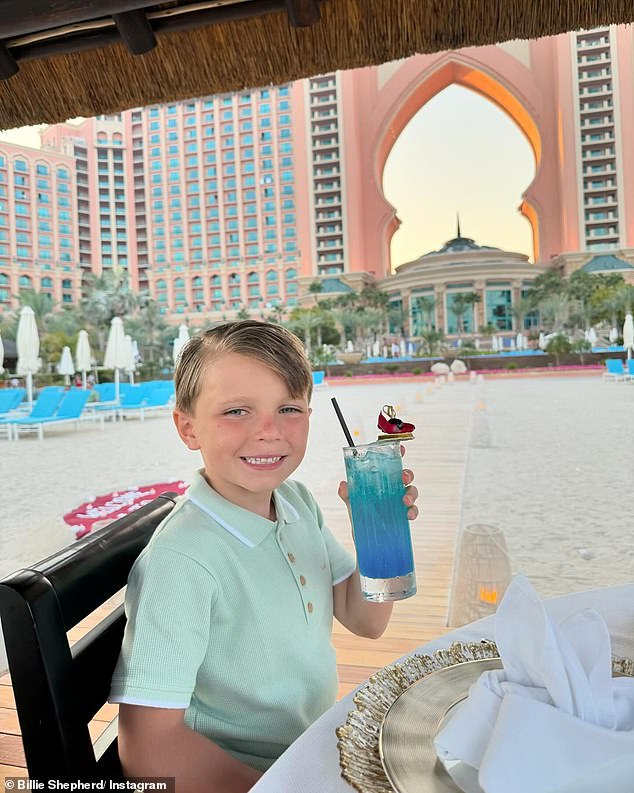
(135, 31)
(8, 64)
(28, 16)
(303, 13)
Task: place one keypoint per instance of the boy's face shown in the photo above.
(251, 433)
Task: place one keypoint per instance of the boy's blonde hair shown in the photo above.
(271, 345)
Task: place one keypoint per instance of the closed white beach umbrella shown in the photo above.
(1, 355)
(494, 344)
(83, 355)
(592, 336)
(519, 341)
(614, 335)
(628, 334)
(116, 353)
(180, 341)
(542, 341)
(28, 344)
(66, 365)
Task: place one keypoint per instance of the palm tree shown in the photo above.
(461, 302)
(625, 295)
(555, 310)
(149, 328)
(41, 303)
(106, 296)
(520, 309)
(431, 339)
(303, 320)
(427, 306)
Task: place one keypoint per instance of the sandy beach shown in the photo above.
(547, 459)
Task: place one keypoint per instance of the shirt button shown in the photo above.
(310, 608)
(291, 558)
(302, 580)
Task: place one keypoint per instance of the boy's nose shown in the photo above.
(268, 428)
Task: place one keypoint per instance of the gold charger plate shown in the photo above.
(359, 737)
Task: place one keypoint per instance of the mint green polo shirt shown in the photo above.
(229, 615)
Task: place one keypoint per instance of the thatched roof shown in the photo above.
(84, 68)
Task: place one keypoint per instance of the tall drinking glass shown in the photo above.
(379, 519)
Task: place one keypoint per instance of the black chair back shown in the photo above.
(58, 689)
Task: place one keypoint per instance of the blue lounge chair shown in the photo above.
(69, 410)
(10, 399)
(615, 370)
(131, 397)
(161, 398)
(44, 407)
(630, 369)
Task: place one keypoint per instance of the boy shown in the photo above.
(227, 656)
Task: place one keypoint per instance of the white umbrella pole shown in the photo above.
(116, 384)
(29, 388)
(83, 379)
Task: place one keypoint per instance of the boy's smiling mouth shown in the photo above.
(264, 462)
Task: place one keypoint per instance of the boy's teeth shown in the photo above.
(262, 460)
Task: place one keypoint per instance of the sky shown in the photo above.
(459, 154)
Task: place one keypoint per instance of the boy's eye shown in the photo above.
(290, 409)
(235, 412)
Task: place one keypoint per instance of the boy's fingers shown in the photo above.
(412, 513)
(411, 495)
(408, 476)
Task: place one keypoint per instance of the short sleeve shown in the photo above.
(168, 605)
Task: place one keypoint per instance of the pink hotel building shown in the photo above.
(241, 200)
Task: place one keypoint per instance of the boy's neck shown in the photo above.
(259, 503)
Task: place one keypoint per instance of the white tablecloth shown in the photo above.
(311, 764)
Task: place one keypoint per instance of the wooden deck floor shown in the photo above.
(438, 457)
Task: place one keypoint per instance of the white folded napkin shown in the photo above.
(553, 716)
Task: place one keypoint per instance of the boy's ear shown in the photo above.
(185, 428)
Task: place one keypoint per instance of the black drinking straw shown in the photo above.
(342, 421)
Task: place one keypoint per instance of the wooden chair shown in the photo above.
(58, 689)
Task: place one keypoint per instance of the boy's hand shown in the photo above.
(409, 499)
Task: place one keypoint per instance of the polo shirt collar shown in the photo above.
(246, 526)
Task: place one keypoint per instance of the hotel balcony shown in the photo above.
(588, 106)
(324, 128)
(600, 202)
(591, 91)
(334, 200)
(593, 42)
(323, 84)
(608, 186)
(587, 73)
(594, 234)
(594, 154)
(323, 97)
(611, 217)
(604, 169)
(602, 137)
(329, 231)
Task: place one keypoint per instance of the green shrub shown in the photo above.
(511, 365)
(347, 374)
(559, 344)
(416, 370)
(391, 368)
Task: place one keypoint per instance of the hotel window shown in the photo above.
(19, 165)
(452, 319)
(499, 308)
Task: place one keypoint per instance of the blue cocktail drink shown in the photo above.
(379, 519)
